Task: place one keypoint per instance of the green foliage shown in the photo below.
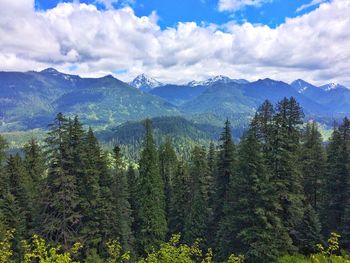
(269, 195)
(197, 215)
(173, 252)
(5, 246)
(115, 254)
(325, 255)
(150, 219)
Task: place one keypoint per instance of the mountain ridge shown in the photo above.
(30, 99)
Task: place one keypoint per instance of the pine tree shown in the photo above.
(254, 224)
(336, 212)
(132, 179)
(287, 175)
(122, 205)
(313, 160)
(15, 204)
(61, 215)
(180, 201)
(150, 222)
(88, 181)
(168, 164)
(308, 232)
(19, 186)
(34, 164)
(227, 165)
(212, 172)
(196, 219)
(263, 124)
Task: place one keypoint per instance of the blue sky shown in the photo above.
(170, 12)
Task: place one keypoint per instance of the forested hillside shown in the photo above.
(276, 196)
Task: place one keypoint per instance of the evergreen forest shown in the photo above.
(279, 193)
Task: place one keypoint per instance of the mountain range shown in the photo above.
(31, 99)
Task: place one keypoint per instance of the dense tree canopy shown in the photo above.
(280, 190)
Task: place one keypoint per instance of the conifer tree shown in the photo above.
(336, 216)
(61, 214)
(15, 204)
(122, 205)
(196, 219)
(150, 222)
(227, 165)
(308, 231)
(19, 187)
(168, 164)
(212, 172)
(313, 160)
(181, 196)
(132, 179)
(88, 181)
(287, 175)
(34, 164)
(226, 169)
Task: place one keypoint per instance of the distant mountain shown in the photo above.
(232, 98)
(302, 86)
(216, 79)
(178, 94)
(332, 86)
(334, 97)
(31, 99)
(144, 83)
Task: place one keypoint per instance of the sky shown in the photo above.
(176, 41)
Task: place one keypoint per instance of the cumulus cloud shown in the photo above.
(78, 38)
(234, 5)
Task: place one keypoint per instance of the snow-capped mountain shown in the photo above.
(145, 83)
(332, 86)
(301, 86)
(216, 79)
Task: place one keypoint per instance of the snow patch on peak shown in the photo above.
(145, 83)
(332, 86)
(216, 79)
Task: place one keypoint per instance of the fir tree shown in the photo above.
(150, 222)
(287, 175)
(336, 213)
(19, 182)
(227, 165)
(34, 164)
(61, 215)
(196, 219)
(132, 179)
(122, 205)
(212, 173)
(168, 164)
(313, 159)
(89, 190)
(180, 201)
(308, 232)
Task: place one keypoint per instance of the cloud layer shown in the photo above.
(315, 46)
(234, 5)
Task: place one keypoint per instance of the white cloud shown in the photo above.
(234, 5)
(312, 3)
(109, 4)
(314, 46)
